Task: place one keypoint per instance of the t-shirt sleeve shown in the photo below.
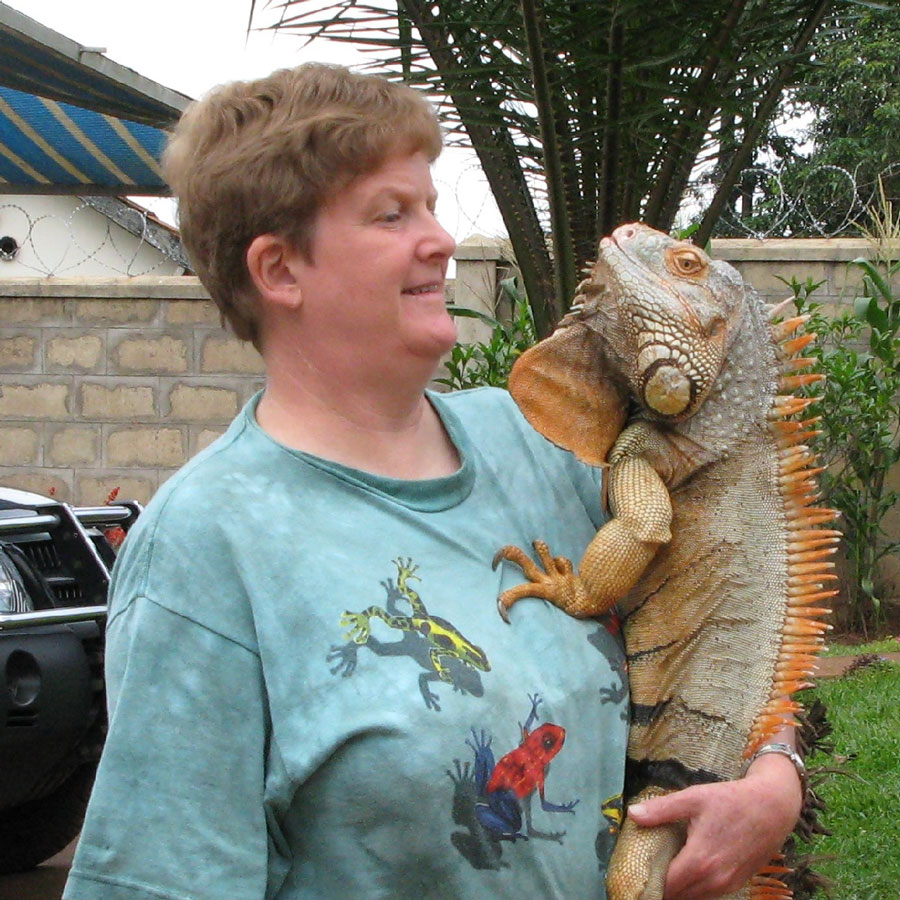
(177, 811)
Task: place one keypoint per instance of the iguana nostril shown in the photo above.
(624, 233)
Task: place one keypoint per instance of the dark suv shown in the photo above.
(54, 575)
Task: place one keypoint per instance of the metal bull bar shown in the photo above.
(53, 518)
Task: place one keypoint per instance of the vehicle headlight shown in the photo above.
(14, 596)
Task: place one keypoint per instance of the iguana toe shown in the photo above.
(513, 595)
(513, 554)
(555, 582)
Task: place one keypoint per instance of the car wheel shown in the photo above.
(36, 830)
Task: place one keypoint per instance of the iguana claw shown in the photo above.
(556, 582)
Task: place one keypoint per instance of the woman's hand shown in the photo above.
(734, 828)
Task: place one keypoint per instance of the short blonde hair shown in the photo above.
(261, 157)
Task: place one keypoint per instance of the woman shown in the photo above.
(311, 692)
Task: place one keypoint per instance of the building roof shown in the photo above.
(74, 121)
(52, 147)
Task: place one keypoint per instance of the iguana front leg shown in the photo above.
(615, 558)
(557, 582)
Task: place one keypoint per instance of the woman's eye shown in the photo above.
(390, 216)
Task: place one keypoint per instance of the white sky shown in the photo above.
(192, 45)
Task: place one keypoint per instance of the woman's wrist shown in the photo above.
(787, 751)
(782, 777)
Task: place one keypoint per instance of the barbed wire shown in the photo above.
(830, 200)
(459, 179)
(52, 244)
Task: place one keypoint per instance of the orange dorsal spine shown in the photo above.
(809, 547)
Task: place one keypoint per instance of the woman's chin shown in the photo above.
(435, 340)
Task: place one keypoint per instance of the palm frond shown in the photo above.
(583, 113)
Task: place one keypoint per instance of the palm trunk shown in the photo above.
(561, 226)
(500, 161)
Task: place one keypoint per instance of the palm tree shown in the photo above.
(584, 113)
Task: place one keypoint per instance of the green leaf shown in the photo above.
(466, 313)
(876, 316)
(873, 273)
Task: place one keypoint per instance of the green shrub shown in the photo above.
(489, 362)
(859, 402)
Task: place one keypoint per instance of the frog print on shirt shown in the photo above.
(437, 646)
(613, 811)
(492, 799)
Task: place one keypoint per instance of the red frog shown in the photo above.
(502, 786)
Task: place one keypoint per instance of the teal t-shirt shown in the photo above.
(312, 694)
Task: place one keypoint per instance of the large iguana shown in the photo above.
(672, 372)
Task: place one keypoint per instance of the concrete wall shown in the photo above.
(112, 383)
(481, 263)
(115, 382)
(763, 263)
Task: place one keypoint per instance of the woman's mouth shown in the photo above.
(433, 288)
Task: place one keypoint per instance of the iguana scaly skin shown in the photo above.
(671, 372)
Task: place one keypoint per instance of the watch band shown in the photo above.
(783, 750)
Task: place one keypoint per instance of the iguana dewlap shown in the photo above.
(670, 371)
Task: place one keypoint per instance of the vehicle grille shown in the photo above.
(44, 557)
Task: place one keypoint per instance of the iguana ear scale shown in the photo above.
(564, 387)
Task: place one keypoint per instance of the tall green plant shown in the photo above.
(859, 353)
(489, 362)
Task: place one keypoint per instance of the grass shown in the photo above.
(863, 807)
(888, 645)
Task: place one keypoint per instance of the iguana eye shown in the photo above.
(685, 261)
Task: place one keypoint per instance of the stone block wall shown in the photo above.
(764, 263)
(113, 383)
(110, 383)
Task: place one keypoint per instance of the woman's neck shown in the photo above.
(382, 426)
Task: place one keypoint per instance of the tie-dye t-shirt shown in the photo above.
(312, 694)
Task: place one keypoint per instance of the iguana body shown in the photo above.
(713, 553)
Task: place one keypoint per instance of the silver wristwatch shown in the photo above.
(783, 750)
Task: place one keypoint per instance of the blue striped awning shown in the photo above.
(74, 121)
(47, 146)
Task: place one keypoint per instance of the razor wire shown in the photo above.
(52, 244)
(829, 201)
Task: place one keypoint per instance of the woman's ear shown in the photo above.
(273, 266)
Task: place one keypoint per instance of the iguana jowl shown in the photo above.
(670, 371)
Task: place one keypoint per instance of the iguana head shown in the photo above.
(651, 323)
(667, 313)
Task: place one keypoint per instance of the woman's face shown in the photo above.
(373, 284)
